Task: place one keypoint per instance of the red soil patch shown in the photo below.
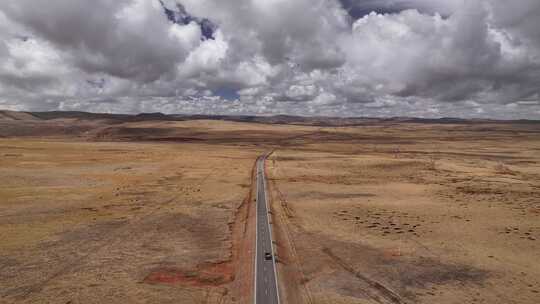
(207, 274)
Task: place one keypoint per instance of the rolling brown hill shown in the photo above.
(14, 115)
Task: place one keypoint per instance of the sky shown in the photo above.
(378, 58)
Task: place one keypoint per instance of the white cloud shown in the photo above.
(424, 58)
(206, 58)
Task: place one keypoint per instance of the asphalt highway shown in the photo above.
(266, 289)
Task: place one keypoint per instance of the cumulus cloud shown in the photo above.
(306, 57)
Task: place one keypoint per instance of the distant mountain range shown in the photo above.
(277, 119)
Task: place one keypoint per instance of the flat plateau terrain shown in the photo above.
(101, 211)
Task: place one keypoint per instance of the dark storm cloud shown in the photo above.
(310, 57)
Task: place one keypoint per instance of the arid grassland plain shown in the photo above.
(150, 210)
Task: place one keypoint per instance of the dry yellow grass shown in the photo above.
(88, 222)
(144, 212)
(413, 214)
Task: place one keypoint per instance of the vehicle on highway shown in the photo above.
(268, 256)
